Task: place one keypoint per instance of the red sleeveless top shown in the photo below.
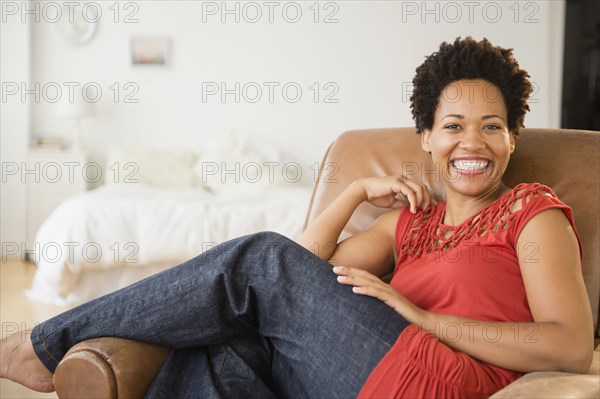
(470, 270)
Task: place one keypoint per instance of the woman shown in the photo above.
(261, 316)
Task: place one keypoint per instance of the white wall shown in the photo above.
(370, 54)
(14, 131)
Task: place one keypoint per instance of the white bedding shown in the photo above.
(133, 226)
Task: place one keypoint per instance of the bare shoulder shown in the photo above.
(548, 253)
(386, 223)
(382, 229)
(549, 225)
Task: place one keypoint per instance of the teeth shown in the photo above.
(471, 165)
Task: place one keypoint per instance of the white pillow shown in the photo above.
(168, 168)
(231, 166)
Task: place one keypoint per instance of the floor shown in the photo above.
(18, 312)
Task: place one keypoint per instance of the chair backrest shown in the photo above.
(568, 161)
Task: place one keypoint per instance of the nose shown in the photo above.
(472, 140)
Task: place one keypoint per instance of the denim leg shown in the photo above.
(326, 339)
(237, 368)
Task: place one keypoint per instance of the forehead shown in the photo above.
(471, 98)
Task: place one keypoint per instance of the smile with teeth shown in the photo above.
(470, 164)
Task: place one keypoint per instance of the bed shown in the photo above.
(109, 237)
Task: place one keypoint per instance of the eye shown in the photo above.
(452, 126)
(492, 127)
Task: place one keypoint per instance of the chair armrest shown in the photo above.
(546, 384)
(119, 368)
(108, 368)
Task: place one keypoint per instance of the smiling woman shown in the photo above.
(263, 316)
(470, 139)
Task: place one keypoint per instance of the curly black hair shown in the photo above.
(470, 59)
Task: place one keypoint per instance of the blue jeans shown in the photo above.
(259, 315)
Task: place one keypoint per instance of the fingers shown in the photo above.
(350, 274)
(364, 283)
(395, 192)
(418, 191)
(415, 192)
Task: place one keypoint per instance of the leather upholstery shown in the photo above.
(566, 160)
(555, 384)
(108, 368)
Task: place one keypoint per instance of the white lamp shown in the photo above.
(75, 110)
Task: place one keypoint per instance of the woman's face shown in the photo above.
(470, 142)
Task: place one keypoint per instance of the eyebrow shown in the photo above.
(453, 116)
(492, 116)
(482, 118)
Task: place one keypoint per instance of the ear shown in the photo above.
(512, 142)
(425, 135)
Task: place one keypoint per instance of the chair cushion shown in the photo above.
(555, 385)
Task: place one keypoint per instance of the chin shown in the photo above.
(473, 186)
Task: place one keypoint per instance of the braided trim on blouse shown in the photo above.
(427, 233)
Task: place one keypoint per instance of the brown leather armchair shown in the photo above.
(566, 160)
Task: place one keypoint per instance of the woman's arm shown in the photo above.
(372, 249)
(561, 336)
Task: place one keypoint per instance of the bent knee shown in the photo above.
(271, 236)
(276, 245)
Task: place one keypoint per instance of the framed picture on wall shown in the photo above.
(152, 51)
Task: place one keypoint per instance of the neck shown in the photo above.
(460, 207)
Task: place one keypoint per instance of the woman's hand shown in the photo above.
(365, 283)
(395, 192)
